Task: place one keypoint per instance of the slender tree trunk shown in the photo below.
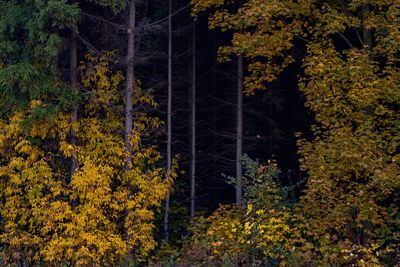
(73, 67)
(215, 104)
(192, 102)
(130, 80)
(169, 121)
(130, 88)
(239, 131)
(367, 35)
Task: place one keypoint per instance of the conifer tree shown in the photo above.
(30, 46)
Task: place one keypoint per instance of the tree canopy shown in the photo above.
(84, 172)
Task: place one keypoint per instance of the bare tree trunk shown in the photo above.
(169, 120)
(130, 80)
(367, 35)
(73, 72)
(215, 104)
(192, 102)
(130, 88)
(239, 131)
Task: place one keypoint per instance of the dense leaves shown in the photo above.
(256, 234)
(105, 212)
(350, 205)
(100, 213)
(29, 48)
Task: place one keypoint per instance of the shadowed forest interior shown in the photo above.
(199, 133)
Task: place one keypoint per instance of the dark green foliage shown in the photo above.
(30, 42)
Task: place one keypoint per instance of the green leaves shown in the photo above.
(31, 44)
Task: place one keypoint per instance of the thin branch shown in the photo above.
(346, 40)
(173, 14)
(87, 43)
(116, 25)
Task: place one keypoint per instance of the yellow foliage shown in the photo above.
(103, 212)
(235, 235)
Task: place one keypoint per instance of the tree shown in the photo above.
(169, 120)
(73, 72)
(192, 119)
(103, 212)
(30, 47)
(258, 233)
(239, 131)
(130, 79)
(351, 84)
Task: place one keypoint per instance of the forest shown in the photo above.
(200, 133)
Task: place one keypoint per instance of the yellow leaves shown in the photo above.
(200, 5)
(116, 79)
(247, 228)
(263, 228)
(261, 29)
(249, 208)
(272, 211)
(354, 91)
(361, 255)
(349, 99)
(320, 67)
(66, 148)
(103, 83)
(92, 183)
(23, 147)
(103, 211)
(260, 212)
(97, 248)
(233, 232)
(35, 103)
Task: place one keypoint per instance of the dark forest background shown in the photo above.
(95, 170)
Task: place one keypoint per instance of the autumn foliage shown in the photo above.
(345, 212)
(348, 214)
(103, 212)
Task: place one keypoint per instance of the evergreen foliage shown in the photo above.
(29, 48)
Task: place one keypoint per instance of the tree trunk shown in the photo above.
(192, 102)
(215, 103)
(73, 72)
(169, 120)
(239, 131)
(367, 35)
(130, 81)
